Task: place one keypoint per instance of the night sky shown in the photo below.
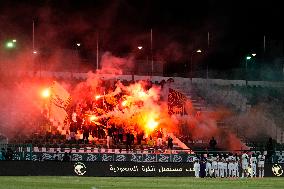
(179, 27)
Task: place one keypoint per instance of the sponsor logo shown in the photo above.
(277, 170)
(79, 168)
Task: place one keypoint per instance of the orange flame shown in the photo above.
(93, 118)
(45, 93)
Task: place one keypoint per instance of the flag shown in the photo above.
(176, 101)
(60, 99)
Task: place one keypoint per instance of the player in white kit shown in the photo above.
(231, 163)
(209, 168)
(225, 165)
(220, 167)
(236, 172)
(261, 160)
(245, 161)
(196, 167)
(215, 166)
(253, 162)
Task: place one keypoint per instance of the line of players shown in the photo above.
(230, 165)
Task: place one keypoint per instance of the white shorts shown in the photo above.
(231, 166)
(244, 166)
(214, 165)
(260, 164)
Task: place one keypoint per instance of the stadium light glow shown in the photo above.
(10, 45)
(248, 57)
(140, 47)
(253, 54)
(198, 51)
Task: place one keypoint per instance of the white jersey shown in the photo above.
(253, 160)
(214, 163)
(225, 165)
(261, 159)
(196, 167)
(220, 164)
(231, 159)
(195, 159)
(245, 159)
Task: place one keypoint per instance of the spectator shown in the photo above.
(151, 144)
(86, 134)
(270, 149)
(9, 154)
(120, 134)
(140, 136)
(132, 138)
(212, 143)
(66, 157)
(57, 156)
(70, 156)
(170, 143)
(128, 140)
(160, 136)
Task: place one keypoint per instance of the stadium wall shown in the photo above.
(110, 169)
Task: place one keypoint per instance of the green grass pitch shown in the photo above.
(33, 182)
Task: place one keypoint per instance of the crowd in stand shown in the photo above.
(85, 131)
(86, 128)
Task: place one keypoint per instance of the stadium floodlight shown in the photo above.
(253, 54)
(140, 47)
(10, 45)
(248, 57)
(191, 61)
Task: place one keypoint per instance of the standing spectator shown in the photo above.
(139, 137)
(170, 143)
(57, 156)
(212, 143)
(86, 133)
(151, 144)
(72, 131)
(132, 138)
(9, 154)
(270, 150)
(160, 138)
(120, 134)
(114, 134)
(66, 157)
(128, 140)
